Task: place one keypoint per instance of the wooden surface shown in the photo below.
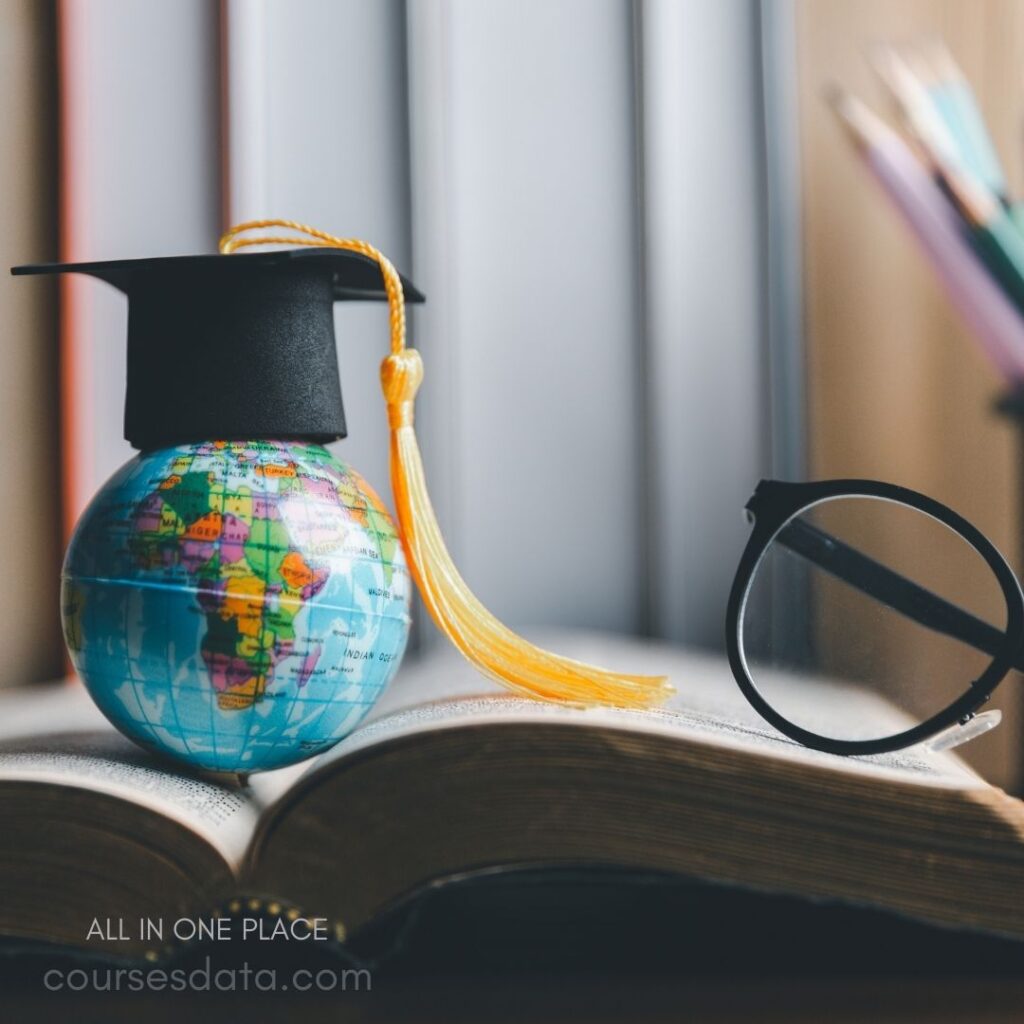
(897, 389)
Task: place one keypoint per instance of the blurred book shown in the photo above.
(451, 780)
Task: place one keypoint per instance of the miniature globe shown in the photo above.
(237, 606)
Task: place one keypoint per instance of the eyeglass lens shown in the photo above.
(865, 617)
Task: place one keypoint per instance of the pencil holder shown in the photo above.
(1011, 405)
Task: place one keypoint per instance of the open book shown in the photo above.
(450, 777)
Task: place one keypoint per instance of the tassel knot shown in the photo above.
(401, 374)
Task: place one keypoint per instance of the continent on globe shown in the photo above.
(252, 579)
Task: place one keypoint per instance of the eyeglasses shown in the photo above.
(866, 618)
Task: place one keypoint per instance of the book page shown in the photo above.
(55, 734)
(444, 691)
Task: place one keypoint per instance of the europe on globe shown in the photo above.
(239, 606)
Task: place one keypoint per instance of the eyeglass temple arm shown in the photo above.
(902, 595)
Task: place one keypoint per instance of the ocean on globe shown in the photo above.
(239, 606)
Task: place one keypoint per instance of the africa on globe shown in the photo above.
(239, 606)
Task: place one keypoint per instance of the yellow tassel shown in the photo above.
(488, 644)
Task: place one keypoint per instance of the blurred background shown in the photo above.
(655, 272)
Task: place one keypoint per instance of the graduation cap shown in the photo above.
(234, 346)
(240, 347)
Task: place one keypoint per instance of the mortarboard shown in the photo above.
(234, 346)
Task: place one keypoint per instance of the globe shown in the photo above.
(238, 606)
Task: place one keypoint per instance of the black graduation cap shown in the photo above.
(234, 347)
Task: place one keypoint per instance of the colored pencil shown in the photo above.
(954, 93)
(995, 321)
(993, 231)
(943, 101)
(916, 106)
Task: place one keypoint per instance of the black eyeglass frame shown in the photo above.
(773, 505)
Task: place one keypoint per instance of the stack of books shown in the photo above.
(106, 847)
